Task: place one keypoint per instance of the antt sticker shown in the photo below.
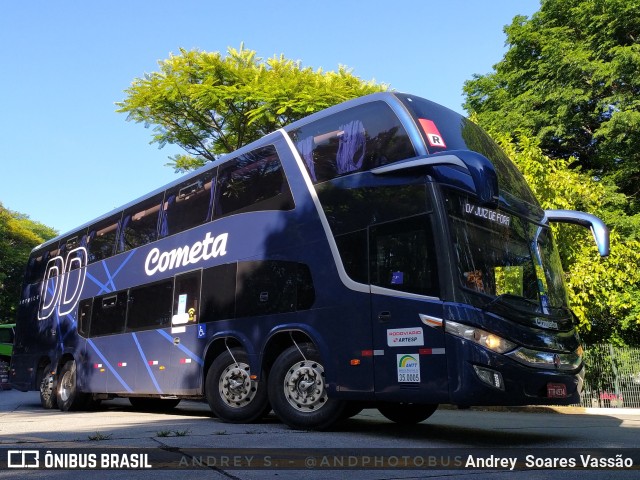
(433, 134)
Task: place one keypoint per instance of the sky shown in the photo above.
(67, 157)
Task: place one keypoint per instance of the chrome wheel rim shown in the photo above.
(236, 387)
(304, 386)
(66, 386)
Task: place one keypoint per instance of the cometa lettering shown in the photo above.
(210, 247)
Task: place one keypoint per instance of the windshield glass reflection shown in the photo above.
(505, 258)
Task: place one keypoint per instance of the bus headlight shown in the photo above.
(483, 338)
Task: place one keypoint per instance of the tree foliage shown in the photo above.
(571, 78)
(210, 104)
(18, 236)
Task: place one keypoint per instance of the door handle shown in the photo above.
(384, 316)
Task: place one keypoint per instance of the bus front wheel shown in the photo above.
(232, 394)
(298, 391)
(407, 413)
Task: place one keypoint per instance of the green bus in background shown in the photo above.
(6, 348)
(6, 341)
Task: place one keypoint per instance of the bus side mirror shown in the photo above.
(598, 228)
(481, 170)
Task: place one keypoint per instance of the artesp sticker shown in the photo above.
(401, 337)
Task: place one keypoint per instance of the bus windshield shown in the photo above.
(505, 258)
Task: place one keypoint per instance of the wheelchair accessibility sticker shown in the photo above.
(202, 331)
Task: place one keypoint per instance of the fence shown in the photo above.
(612, 377)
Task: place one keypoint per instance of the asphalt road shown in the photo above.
(450, 437)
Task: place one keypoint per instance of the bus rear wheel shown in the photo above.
(68, 396)
(298, 391)
(232, 395)
(407, 413)
(48, 388)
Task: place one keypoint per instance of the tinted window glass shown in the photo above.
(218, 293)
(38, 263)
(354, 252)
(186, 298)
(306, 294)
(71, 251)
(268, 287)
(265, 287)
(350, 209)
(403, 256)
(84, 317)
(149, 306)
(108, 314)
(140, 224)
(252, 182)
(6, 335)
(187, 205)
(101, 239)
(357, 139)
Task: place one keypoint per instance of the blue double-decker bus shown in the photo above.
(383, 253)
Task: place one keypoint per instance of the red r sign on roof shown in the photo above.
(433, 135)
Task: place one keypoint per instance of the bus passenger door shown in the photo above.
(187, 334)
(409, 342)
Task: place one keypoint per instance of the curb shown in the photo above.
(565, 410)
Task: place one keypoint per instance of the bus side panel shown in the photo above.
(186, 357)
(411, 360)
(112, 364)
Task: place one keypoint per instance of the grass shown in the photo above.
(173, 433)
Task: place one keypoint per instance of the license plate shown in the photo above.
(556, 390)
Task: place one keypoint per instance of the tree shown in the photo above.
(18, 236)
(571, 78)
(209, 104)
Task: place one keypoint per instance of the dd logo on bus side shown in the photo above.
(63, 282)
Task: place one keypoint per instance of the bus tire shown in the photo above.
(298, 390)
(407, 413)
(68, 396)
(48, 388)
(153, 404)
(233, 397)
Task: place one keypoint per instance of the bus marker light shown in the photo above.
(153, 362)
(367, 353)
(354, 361)
(122, 364)
(162, 367)
(97, 365)
(253, 377)
(430, 321)
(185, 360)
(432, 351)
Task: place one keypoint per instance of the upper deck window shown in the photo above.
(140, 224)
(101, 238)
(252, 182)
(354, 140)
(187, 205)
